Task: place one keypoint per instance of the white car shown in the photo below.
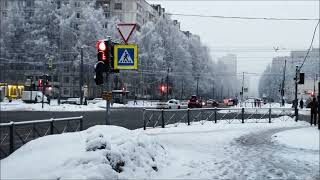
(174, 104)
(171, 104)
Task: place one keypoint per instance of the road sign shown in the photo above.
(126, 56)
(107, 95)
(126, 30)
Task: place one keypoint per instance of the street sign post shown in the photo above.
(107, 95)
(126, 30)
(126, 56)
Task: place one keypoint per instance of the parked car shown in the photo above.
(194, 102)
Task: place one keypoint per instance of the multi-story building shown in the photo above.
(230, 62)
(310, 67)
(65, 75)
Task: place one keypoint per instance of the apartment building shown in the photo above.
(64, 73)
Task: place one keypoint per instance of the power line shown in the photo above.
(314, 33)
(245, 18)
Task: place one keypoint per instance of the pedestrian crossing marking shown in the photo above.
(126, 58)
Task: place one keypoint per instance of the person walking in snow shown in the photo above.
(314, 108)
(301, 104)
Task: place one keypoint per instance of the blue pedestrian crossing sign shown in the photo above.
(125, 56)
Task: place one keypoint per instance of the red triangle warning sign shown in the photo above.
(126, 30)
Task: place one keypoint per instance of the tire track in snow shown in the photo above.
(255, 156)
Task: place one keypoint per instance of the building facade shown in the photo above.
(64, 73)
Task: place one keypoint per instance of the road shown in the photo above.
(130, 118)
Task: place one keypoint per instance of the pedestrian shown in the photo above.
(314, 108)
(301, 104)
(255, 103)
(135, 100)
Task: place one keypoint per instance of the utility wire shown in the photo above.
(245, 18)
(314, 33)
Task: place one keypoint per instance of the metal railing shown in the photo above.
(162, 117)
(15, 134)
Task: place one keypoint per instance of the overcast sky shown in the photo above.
(251, 40)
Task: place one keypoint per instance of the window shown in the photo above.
(77, 4)
(66, 79)
(107, 15)
(65, 91)
(58, 4)
(78, 15)
(105, 25)
(55, 78)
(118, 6)
(4, 14)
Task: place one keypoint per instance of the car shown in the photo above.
(171, 104)
(194, 102)
(210, 101)
(174, 104)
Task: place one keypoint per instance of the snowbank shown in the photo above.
(101, 152)
(203, 150)
(19, 105)
(305, 138)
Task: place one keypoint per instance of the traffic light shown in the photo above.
(301, 78)
(312, 94)
(162, 88)
(99, 68)
(101, 46)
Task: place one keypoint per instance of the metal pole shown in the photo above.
(168, 83)
(242, 115)
(108, 83)
(81, 76)
(44, 79)
(11, 148)
(144, 119)
(283, 81)
(162, 118)
(242, 87)
(296, 94)
(269, 115)
(319, 105)
(188, 116)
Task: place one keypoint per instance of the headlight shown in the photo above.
(203, 103)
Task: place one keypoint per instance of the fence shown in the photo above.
(15, 134)
(163, 117)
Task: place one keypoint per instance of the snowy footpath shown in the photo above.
(280, 150)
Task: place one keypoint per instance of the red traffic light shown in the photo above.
(162, 88)
(312, 93)
(101, 45)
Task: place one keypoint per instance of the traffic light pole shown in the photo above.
(296, 94)
(319, 105)
(108, 82)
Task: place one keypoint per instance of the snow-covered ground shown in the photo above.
(19, 105)
(303, 138)
(199, 151)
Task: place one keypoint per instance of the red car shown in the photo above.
(194, 102)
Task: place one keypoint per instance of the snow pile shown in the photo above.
(304, 138)
(101, 152)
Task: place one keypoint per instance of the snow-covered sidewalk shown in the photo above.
(304, 138)
(208, 151)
